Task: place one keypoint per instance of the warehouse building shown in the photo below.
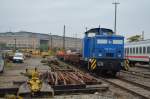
(32, 40)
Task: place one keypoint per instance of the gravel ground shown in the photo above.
(142, 70)
(137, 79)
(12, 73)
(117, 92)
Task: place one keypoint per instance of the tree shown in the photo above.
(43, 47)
(134, 38)
(3, 45)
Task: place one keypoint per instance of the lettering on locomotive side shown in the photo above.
(109, 49)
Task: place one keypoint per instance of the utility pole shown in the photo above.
(15, 45)
(51, 39)
(142, 35)
(64, 37)
(76, 40)
(115, 24)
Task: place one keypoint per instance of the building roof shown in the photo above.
(31, 34)
(22, 33)
(99, 30)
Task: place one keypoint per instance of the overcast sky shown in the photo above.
(44, 16)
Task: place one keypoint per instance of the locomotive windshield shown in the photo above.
(109, 41)
(102, 41)
(117, 42)
(91, 34)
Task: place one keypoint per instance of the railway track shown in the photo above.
(142, 66)
(129, 87)
(133, 87)
(137, 73)
(133, 83)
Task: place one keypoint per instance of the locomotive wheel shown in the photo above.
(108, 73)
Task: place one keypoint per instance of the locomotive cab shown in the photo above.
(103, 50)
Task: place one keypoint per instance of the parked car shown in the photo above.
(18, 57)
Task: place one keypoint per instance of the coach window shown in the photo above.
(137, 50)
(148, 50)
(140, 50)
(144, 50)
(134, 50)
(130, 50)
(127, 51)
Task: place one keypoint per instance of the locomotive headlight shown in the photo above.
(90, 60)
(86, 59)
(100, 54)
(119, 55)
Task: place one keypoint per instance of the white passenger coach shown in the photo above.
(138, 51)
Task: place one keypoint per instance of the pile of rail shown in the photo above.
(65, 78)
(69, 78)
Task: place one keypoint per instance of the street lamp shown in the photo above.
(15, 45)
(51, 43)
(64, 37)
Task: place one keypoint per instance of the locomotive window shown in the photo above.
(91, 34)
(140, 50)
(144, 50)
(148, 50)
(137, 50)
(134, 50)
(117, 41)
(101, 41)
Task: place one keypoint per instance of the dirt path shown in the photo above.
(12, 73)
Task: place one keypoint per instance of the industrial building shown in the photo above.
(32, 40)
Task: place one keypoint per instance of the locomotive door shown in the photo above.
(92, 48)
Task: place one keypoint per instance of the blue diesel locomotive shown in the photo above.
(103, 51)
